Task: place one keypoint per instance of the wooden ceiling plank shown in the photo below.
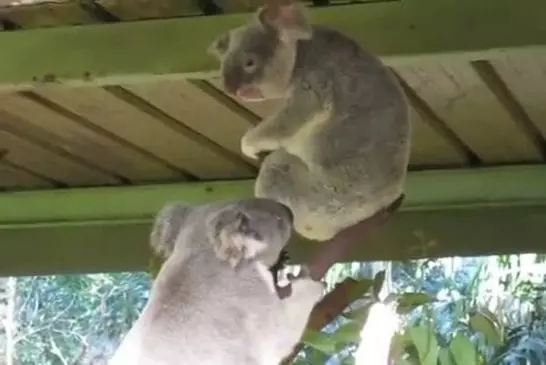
(150, 9)
(191, 106)
(458, 96)
(47, 14)
(108, 112)
(14, 178)
(47, 163)
(525, 76)
(77, 136)
(428, 148)
(398, 31)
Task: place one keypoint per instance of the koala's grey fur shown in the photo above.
(340, 143)
(210, 304)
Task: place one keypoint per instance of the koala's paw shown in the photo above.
(235, 245)
(303, 286)
(252, 145)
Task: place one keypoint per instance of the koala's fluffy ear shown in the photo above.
(166, 228)
(288, 19)
(220, 45)
(234, 238)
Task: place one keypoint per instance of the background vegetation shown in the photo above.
(454, 311)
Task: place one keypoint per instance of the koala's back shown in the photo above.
(368, 120)
(351, 158)
(205, 313)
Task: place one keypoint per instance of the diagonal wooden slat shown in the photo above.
(52, 165)
(526, 78)
(457, 95)
(11, 177)
(110, 113)
(75, 137)
(197, 110)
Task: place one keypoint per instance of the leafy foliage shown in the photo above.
(76, 318)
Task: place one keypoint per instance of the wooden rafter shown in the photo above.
(398, 31)
(458, 212)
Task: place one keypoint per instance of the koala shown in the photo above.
(209, 303)
(337, 149)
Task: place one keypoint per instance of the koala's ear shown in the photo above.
(234, 238)
(166, 227)
(219, 46)
(288, 19)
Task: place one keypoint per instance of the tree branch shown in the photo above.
(336, 250)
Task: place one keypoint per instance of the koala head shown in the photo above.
(257, 59)
(243, 229)
(250, 229)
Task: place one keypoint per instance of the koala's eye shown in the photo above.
(250, 64)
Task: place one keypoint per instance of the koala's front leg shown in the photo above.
(272, 132)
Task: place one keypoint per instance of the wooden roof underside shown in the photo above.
(93, 95)
(68, 127)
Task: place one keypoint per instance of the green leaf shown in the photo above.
(424, 339)
(482, 323)
(320, 341)
(409, 301)
(463, 350)
(348, 332)
(446, 357)
(360, 314)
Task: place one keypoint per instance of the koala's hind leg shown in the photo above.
(286, 179)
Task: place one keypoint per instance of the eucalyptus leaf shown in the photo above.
(409, 301)
(424, 339)
(483, 324)
(360, 314)
(320, 341)
(348, 332)
(445, 356)
(463, 350)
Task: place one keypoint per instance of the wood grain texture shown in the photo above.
(149, 9)
(197, 110)
(470, 109)
(463, 212)
(92, 144)
(50, 164)
(397, 31)
(525, 75)
(123, 119)
(427, 148)
(14, 178)
(47, 14)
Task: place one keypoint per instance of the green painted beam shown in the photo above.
(451, 212)
(402, 31)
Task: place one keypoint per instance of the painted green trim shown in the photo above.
(451, 212)
(136, 51)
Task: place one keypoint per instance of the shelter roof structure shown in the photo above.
(110, 108)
